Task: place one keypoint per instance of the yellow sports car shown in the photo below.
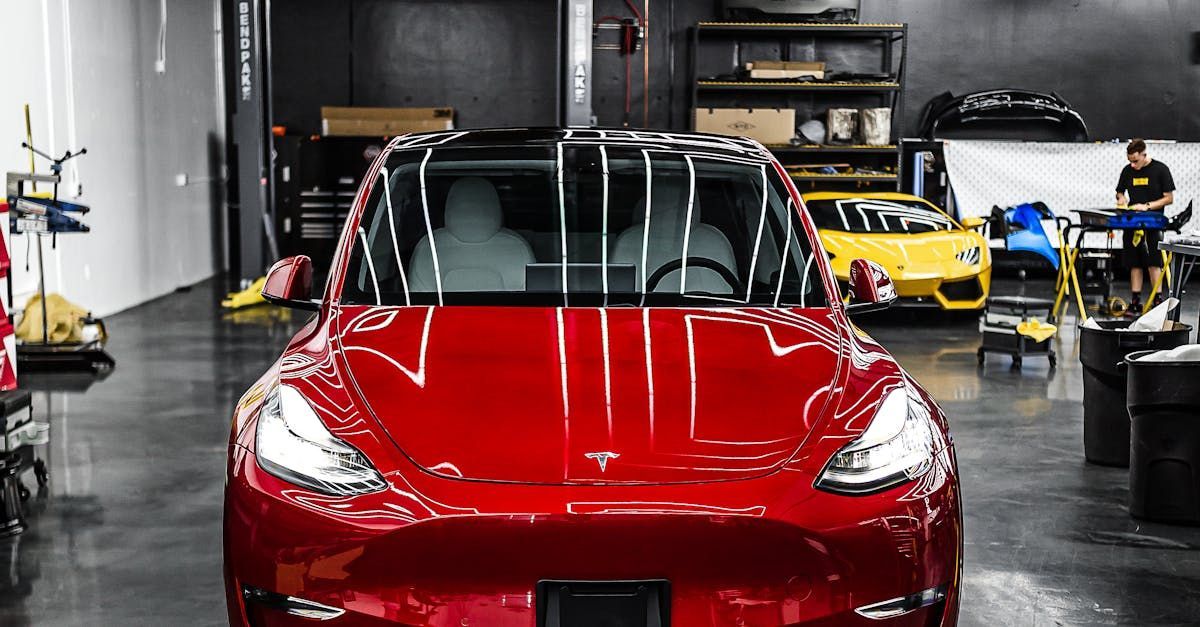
(932, 258)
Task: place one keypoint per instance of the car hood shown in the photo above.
(586, 395)
(907, 256)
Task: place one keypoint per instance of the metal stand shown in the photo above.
(46, 355)
(42, 291)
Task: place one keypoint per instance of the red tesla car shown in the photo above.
(585, 378)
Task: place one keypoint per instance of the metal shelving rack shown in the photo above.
(791, 86)
(892, 40)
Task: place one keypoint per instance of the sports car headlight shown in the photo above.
(896, 447)
(971, 256)
(294, 445)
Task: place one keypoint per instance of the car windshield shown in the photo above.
(872, 215)
(580, 224)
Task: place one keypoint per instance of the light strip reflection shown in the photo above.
(785, 252)
(762, 219)
(604, 228)
(562, 219)
(437, 270)
(362, 236)
(646, 226)
(649, 372)
(608, 401)
(562, 367)
(687, 225)
(387, 195)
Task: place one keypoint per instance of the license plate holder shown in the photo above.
(642, 603)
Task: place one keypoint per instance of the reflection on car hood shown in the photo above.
(587, 395)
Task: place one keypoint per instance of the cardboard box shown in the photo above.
(769, 126)
(384, 121)
(786, 69)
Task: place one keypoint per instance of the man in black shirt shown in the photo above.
(1145, 185)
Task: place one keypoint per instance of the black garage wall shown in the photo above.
(1125, 64)
(494, 61)
(310, 61)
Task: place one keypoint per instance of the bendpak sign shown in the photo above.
(245, 45)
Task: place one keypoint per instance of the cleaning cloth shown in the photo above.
(64, 322)
(1036, 329)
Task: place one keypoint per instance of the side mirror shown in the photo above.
(871, 288)
(289, 284)
(973, 222)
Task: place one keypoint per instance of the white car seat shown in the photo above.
(475, 253)
(668, 218)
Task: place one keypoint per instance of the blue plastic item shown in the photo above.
(1153, 220)
(1030, 236)
(42, 215)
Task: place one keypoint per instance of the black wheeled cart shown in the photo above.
(21, 438)
(1002, 316)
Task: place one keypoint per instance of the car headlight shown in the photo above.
(896, 447)
(294, 445)
(971, 256)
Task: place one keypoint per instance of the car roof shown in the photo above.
(868, 196)
(639, 138)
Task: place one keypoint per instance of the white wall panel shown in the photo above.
(92, 82)
(1065, 176)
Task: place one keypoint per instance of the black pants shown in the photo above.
(1146, 253)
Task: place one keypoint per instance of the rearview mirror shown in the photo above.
(871, 288)
(289, 284)
(973, 222)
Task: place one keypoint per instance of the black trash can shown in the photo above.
(1101, 351)
(1164, 450)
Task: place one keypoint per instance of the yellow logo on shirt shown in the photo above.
(1142, 181)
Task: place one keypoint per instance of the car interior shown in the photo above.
(475, 253)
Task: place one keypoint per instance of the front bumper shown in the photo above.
(949, 294)
(386, 561)
(968, 292)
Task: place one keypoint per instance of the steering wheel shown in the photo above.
(727, 275)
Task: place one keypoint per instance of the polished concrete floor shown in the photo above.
(130, 530)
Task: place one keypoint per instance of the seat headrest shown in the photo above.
(473, 212)
(669, 203)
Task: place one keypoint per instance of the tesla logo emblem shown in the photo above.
(602, 458)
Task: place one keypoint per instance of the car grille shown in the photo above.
(962, 290)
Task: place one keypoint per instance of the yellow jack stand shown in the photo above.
(248, 297)
(1164, 275)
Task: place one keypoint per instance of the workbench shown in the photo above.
(1184, 255)
(1098, 221)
